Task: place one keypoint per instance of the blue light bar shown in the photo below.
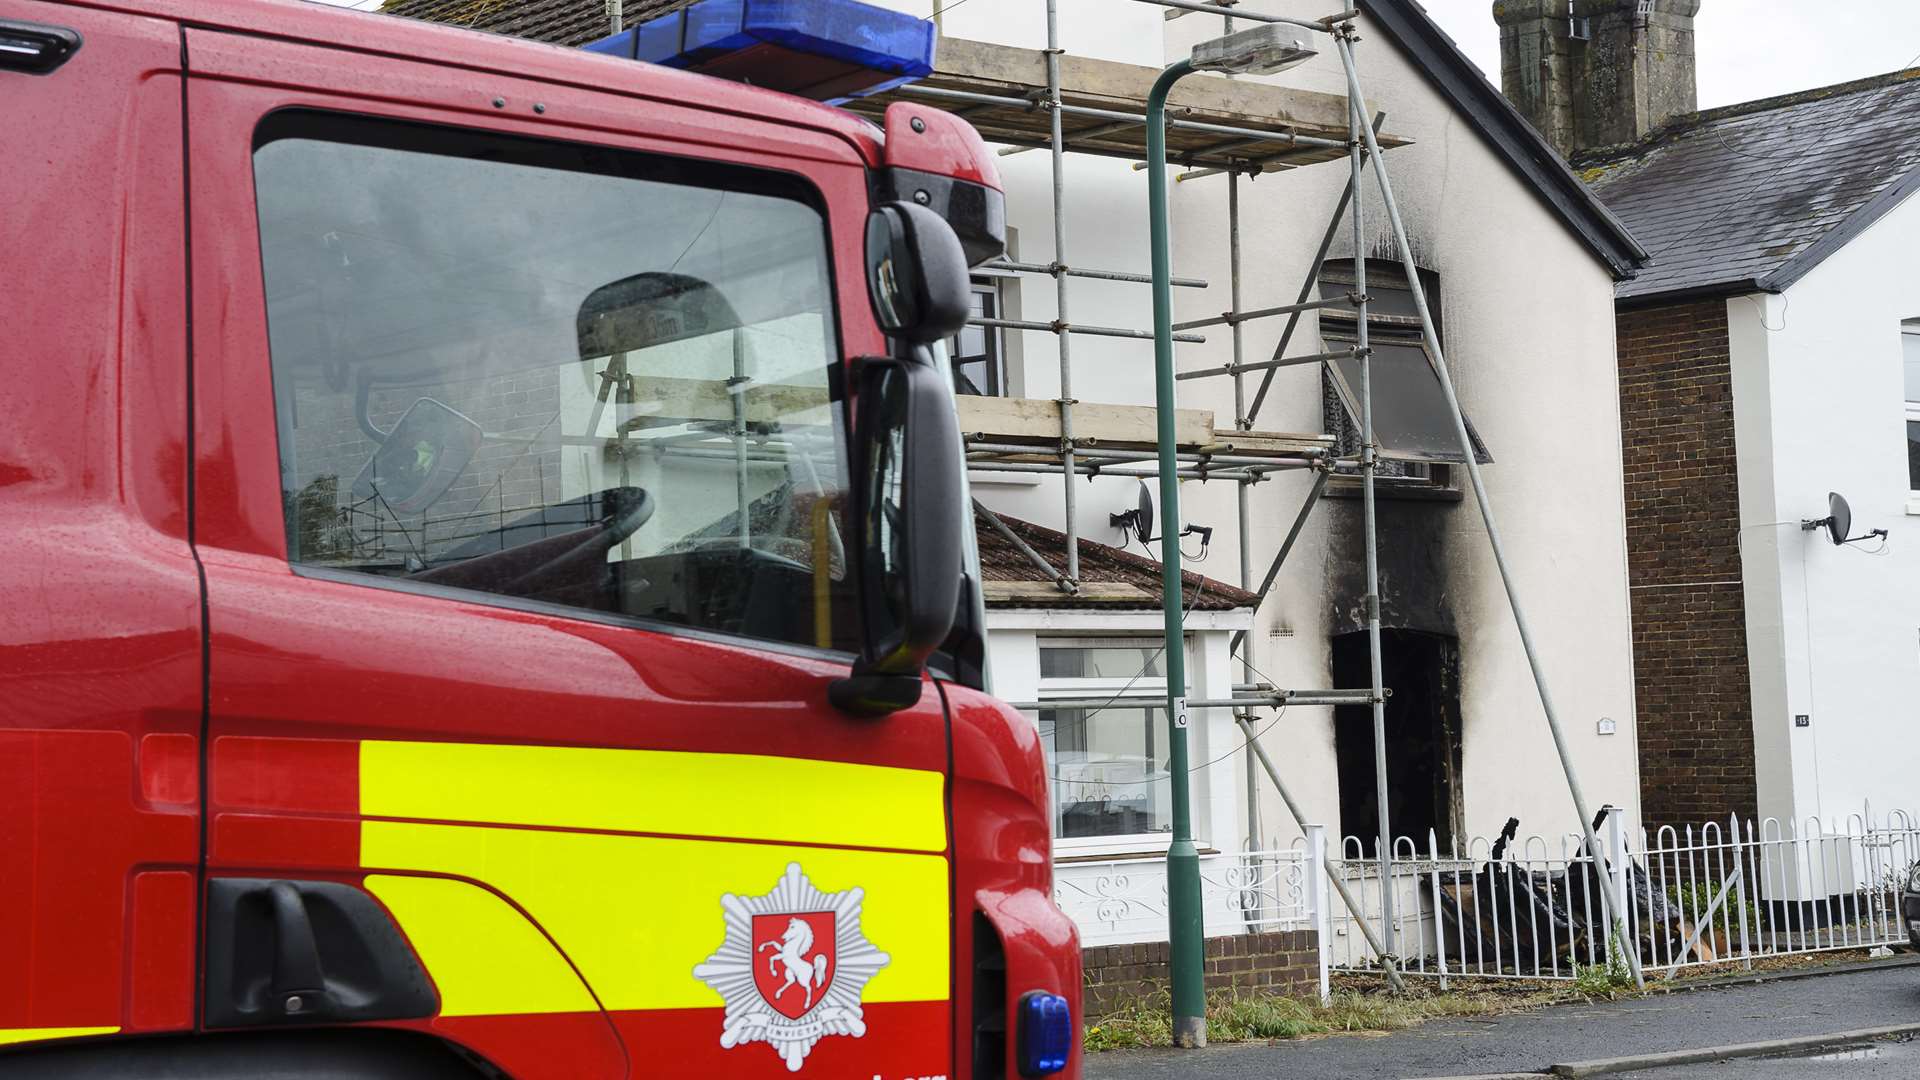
(1046, 1033)
(829, 50)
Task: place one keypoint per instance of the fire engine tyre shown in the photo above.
(307, 1055)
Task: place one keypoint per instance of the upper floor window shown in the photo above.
(558, 374)
(979, 361)
(1411, 420)
(1910, 346)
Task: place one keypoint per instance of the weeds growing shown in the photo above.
(1242, 1016)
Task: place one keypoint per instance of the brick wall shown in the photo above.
(1695, 722)
(1279, 962)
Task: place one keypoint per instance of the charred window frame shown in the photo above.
(1419, 458)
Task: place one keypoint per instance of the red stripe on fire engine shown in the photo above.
(905, 1040)
(320, 776)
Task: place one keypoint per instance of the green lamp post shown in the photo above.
(1261, 50)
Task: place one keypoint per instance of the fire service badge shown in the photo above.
(792, 967)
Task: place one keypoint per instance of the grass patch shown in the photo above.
(1608, 980)
(1242, 1016)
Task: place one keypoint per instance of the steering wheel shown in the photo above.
(628, 508)
(551, 562)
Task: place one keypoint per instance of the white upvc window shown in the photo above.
(1106, 744)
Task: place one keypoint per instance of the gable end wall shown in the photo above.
(1695, 718)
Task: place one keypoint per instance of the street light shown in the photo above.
(1262, 50)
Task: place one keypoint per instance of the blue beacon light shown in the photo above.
(828, 50)
(1045, 1033)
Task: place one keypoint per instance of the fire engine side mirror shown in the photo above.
(907, 482)
(916, 274)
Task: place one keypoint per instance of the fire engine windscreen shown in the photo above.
(557, 375)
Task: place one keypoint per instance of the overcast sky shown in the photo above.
(1747, 48)
(1750, 48)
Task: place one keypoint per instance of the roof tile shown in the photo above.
(1099, 564)
(1737, 196)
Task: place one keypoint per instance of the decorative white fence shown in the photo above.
(1531, 908)
(1125, 900)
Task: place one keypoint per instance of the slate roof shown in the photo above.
(1100, 565)
(1753, 196)
(1405, 22)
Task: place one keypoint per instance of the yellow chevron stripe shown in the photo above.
(743, 796)
(636, 914)
(485, 958)
(20, 1035)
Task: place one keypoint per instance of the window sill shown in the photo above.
(1350, 488)
(1118, 849)
(1913, 504)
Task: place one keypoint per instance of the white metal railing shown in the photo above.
(1118, 901)
(1530, 908)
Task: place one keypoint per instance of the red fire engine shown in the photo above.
(486, 579)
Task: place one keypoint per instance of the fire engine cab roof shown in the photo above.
(483, 54)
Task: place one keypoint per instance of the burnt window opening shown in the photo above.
(1423, 738)
(1418, 445)
(979, 358)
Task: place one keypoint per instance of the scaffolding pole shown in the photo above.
(1324, 25)
(1313, 280)
(1269, 365)
(1278, 700)
(971, 97)
(1071, 527)
(1063, 328)
(1242, 511)
(1369, 464)
(1066, 584)
(1205, 457)
(1080, 272)
(1327, 865)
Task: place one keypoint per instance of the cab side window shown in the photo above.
(553, 375)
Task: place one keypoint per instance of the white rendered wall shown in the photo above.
(1833, 633)
(1529, 321)
(1528, 314)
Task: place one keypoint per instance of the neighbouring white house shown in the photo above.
(1520, 261)
(1769, 358)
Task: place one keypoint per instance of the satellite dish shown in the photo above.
(1839, 518)
(1145, 520)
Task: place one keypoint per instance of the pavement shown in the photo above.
(1871, 996)
(1878, 1059)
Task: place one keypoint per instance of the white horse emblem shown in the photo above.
(791, 953)
(792, 967)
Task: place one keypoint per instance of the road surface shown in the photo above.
(1877, 997)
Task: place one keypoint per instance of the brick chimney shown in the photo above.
(1597, 72)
